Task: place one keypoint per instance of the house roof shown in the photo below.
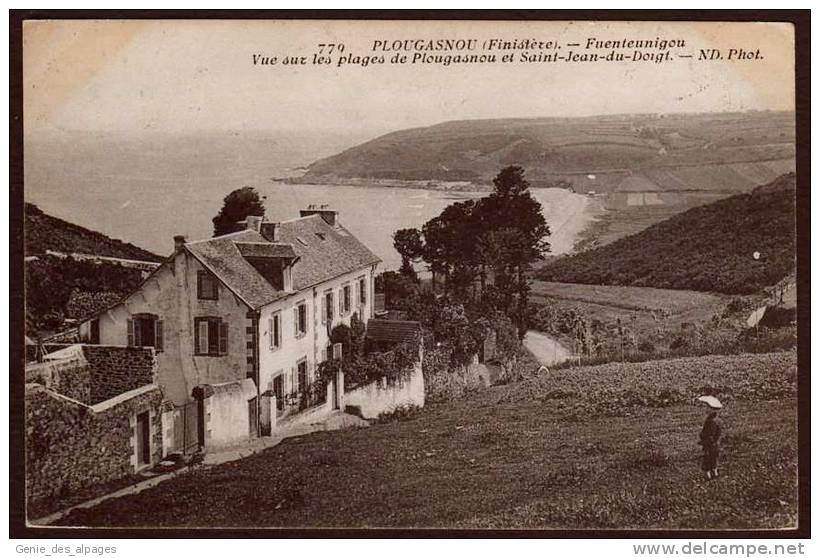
(266, 250)
(392, 331)
(324, 251)
(222, 256)
(320, 252)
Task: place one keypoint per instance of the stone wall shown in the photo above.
(70, 376)
(385, 396)
(115, 370)
(71, 446)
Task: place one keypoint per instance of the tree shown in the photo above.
(512, 209)
(237, 206)
(408, 244)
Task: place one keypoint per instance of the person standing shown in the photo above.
(710, 438)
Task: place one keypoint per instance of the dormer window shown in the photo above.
(206, 286)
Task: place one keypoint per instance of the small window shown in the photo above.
(275, 330)
(344, 303)
(362, 291)
(211, 337)
(300, 319)
(279, 390)
(301, 371)
(206, 286)
(327, 307)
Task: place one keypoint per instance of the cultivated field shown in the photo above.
(669, 301)
(603, 447)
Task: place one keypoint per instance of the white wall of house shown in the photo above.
(284, 359)
(171, 295)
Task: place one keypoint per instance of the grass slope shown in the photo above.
(612, 446)
(44, 232)
(737, 147)
(706, 248)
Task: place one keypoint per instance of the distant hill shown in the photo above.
(679, 152)
(44, 232)
(707, 248)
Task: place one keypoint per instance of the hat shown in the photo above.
(711, 401)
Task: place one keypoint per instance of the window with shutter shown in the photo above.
(341, 304)
(138, 333)
(346, 299)
(362, 291)
(329, 308)
(275, 330)
(202, 337)
(131, 341)
(300, 319)
(337, 351)
(324, 309)
(223, 338)
(301, 367)
(159, 333)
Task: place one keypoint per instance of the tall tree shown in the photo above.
(237, 206)
(511, 208)
(408, 244)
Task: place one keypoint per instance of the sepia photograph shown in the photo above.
(412, 273)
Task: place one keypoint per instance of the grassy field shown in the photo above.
(670, 301)
(604, 447)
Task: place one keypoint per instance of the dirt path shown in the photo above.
(548, 351)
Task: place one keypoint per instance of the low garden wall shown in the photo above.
(388, 394)
(226, 410)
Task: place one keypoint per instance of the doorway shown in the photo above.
(143, 439)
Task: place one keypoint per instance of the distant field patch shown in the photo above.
(629, 298)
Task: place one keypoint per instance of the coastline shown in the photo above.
(435, 185)
(570, 215)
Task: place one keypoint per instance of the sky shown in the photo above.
(142, 77)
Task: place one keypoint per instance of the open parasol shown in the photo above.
(711, 401)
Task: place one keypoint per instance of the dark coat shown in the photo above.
(709, 439)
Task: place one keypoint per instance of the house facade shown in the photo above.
(240, 322)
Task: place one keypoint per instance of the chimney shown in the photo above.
(253, 223)
(328, 214)
(179, 242)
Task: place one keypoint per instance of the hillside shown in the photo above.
(707, 248)
(611, 446)
(44, 232)
(704, 152)
(58, 288)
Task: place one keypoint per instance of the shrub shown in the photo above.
(400, 413)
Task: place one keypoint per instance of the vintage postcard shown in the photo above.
(411, 274)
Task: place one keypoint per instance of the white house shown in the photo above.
(239, 319)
